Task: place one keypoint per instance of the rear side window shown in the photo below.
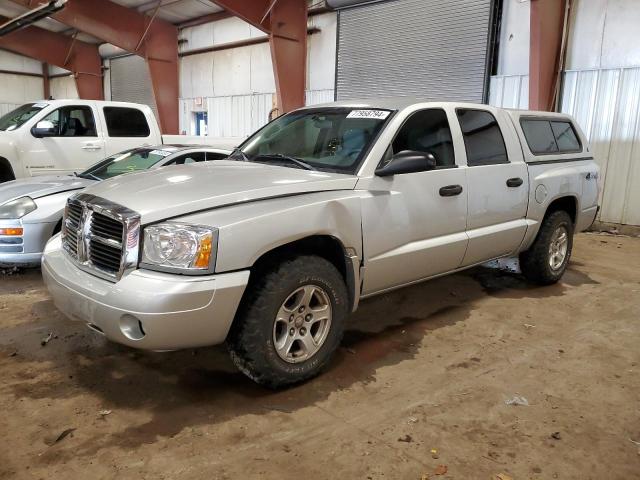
(483, 139)
(547, 137)
(126, 122)
(566, 137)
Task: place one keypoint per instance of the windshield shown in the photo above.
(126, 162)
(16, 118)
(332, 139)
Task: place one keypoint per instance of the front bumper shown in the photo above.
(24, 250)
(145, 309)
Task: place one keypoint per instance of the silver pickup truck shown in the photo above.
(271, 249)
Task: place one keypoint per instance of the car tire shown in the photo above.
(277, 339)
(547, 259)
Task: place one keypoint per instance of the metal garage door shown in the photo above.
(131, 82)
(433, 49)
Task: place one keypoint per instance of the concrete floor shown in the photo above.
(427, 367)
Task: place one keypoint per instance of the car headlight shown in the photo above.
(17, 208)
(180, 248)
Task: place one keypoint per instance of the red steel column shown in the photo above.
(286, 23)
(547, 22)
(46, 85)
(288, 41)
(149, 37)
(81, 58)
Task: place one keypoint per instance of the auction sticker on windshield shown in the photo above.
(161, 153)
(377, 114)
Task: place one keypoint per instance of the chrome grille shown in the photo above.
(105, 242)
(102, 237)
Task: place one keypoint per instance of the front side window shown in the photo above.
(427, 131)
(331, 139)
(546, 137)
(73, 121)
(216, 156)
(126, 162)
(18, 117)
(126, 122)
(483, 139)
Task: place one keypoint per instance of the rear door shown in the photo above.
(414, 224)
(498, 184)
(127, 127)
(76, 145)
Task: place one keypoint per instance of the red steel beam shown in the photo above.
(286, 23)
(547, 23)
(153, 39)
(53, 48)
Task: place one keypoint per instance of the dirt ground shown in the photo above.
(427, 367)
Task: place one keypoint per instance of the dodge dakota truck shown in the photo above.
(270, 250)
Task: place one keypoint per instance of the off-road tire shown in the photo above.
(534, 263)
(250, 341)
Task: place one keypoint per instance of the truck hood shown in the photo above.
(179, 190)
(36, 187)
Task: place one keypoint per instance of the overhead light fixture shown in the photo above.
(32, 16)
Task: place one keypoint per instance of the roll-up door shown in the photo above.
(432, 49)
(131, 81)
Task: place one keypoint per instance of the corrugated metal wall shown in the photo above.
(606, 104)
(509, 91)
(239, 115)
(7, 107)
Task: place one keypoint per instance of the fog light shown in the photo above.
(11, 232)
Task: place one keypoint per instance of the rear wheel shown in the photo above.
(290, 323)
(547, 259)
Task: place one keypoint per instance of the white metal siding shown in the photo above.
(509, 91)
(131, 81)
(434, 49)
(606, 104)
(63, 87)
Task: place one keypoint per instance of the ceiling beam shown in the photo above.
(81, 58)
(151, 38)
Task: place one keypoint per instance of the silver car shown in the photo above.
(31, 209)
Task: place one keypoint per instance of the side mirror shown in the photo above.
(44, 128)
(408, 161)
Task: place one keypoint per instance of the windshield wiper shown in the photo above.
(88, 176)
(243, 156)
(279, 156)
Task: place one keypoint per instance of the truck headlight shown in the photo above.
(179, 248)
(17, 208)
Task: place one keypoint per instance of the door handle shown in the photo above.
(91, 146)
(514, 182)
(451, 190)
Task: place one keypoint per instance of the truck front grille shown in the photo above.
(102, 237)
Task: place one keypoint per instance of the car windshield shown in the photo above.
(331, 139)
(16, 118)
(126, 162)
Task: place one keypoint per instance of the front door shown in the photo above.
(74, 147)
(498, 183)
(414, 224)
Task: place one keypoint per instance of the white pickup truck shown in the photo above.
(271, 249)
(53, 137)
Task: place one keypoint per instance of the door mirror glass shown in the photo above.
(44, 128)
(407, 161)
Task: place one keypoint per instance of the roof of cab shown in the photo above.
(400, 103)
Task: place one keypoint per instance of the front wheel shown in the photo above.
(547, 259)
(290, 323)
